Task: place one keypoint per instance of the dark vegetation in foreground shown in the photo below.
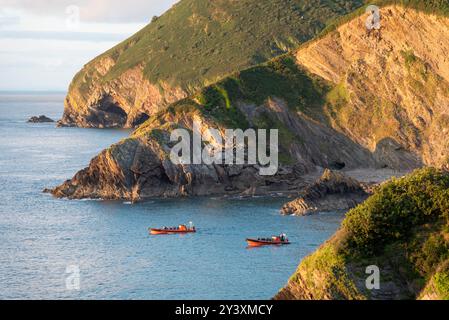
(403, 229)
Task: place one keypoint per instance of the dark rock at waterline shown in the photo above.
(40, 119)
(333, 191)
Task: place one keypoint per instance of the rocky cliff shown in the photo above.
(333, 191)
(194, 44)
(346, 100)
(391, 89)
(140, 167)
(399, 234)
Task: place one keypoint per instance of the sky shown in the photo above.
(43, 43)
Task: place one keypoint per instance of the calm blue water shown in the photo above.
(41, 236)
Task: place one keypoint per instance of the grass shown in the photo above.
(441, 280)
(281, 78)
(337, 99)
(328, 265)
(197, 42)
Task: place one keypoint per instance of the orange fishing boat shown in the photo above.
(182, 229)
(276, 241)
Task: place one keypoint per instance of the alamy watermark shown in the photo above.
(372, 282)
(73, 280)
(72, 21)
(228, 147)
(373, 20)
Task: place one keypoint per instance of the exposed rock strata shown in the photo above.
(392, 93)
(125, 102)
(139, 168)
(332, 192)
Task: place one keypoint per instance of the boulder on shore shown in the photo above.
(40, 119)
(333, 191)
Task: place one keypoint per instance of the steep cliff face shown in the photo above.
(402, 231)
(347, 100)
(194, 44)
(122, 102)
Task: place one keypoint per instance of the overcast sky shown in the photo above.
(43, 43)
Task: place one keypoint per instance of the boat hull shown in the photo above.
(260, 243)
(163, 231)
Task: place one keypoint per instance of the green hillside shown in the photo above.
(195, 43)
(200, 39)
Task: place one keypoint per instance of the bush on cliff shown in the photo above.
(403, 229)
(395, 209)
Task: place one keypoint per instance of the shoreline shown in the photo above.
(363, 175)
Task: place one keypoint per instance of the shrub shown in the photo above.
(434, 250)
(395, 209)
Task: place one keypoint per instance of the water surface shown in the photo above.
(41, 236)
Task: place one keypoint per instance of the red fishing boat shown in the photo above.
(275, 240)
(182, 229)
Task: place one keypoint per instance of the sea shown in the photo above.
(93, 249)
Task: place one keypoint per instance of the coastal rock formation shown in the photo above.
(40, 119)
(333, 191)
(400, 233)
(391, 93)
(193, 44)
(332, 102)
(139, 168)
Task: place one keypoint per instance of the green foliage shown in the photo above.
(402, 228)
(329, 266)
(439, 7)
(441, 280)
(395, 209)
(216, 104)
(198, 42)
(337, 98)
(431, 253)
(409, 57)
(281, 78)
(267, 120)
